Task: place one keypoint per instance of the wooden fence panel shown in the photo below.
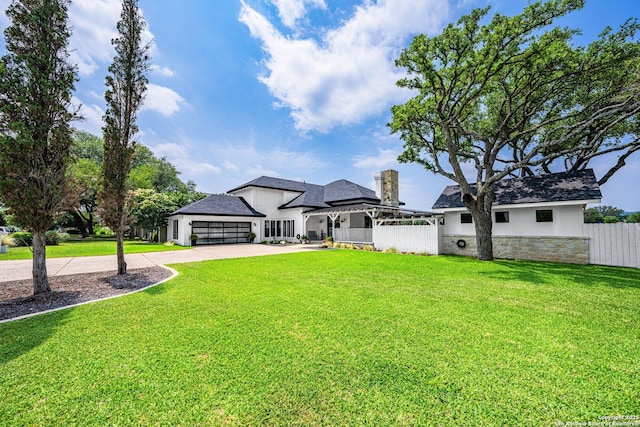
(614, 244)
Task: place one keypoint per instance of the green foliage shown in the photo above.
(150, 172)
(151, 208)
(52, 238)
(597, 214)
(510, 96)
(55, 238)
(87, 146)
(126, 87)
(23, 238)
(358, 339)
(634, 217)
(610, 219)
(104, 232)
(36, 84)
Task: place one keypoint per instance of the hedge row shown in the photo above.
(25, 238)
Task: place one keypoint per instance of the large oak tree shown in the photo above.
(126, 88)
(514, 97)
(36, 83)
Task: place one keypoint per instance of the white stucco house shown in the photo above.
(536, 217)
(276, 209)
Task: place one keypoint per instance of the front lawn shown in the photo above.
(90, 247)
(337, 338)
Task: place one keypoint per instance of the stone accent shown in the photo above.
(573, 250)
(388, 182)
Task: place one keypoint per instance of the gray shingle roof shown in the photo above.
(315, 196)
(557, 187)
(219, 204)
(277, 184)
(346, 190)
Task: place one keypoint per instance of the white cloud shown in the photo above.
(230, 166)
(171, 150)
(93, 25)
(291, 11)
(162, 100)
(385, 158)
(92, 117)
(259, 170)
(350, 75)
(195, 168)
(163, 71)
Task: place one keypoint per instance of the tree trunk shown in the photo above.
(40, 280)
(79, 222)
(480, 208)
(90, 223)
(483, 225)
(122, 265)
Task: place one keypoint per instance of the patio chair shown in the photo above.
(313, 235)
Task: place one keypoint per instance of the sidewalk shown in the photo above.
(21, 269)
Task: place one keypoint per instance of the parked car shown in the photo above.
(6, 230)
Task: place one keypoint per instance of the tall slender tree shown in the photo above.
(126, 88)
(36, 83)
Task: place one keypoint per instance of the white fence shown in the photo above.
(359, 235)
(614, 244)
(409, 238)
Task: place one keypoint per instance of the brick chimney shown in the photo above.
(387, 187)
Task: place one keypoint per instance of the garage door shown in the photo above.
(211, 233)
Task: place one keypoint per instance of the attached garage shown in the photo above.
(216, 232)
(216, 219)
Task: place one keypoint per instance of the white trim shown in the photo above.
(526, 205)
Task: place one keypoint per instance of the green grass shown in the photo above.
(90, 247)
(336, 338)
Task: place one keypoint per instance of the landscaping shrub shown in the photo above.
(392, 250)
(8, 240)
(54, 238)
(22, 238)
(104, 232)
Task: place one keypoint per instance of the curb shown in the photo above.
(174, 273)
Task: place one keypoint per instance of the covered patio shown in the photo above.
(353, 223)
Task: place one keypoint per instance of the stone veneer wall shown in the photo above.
(574, 250)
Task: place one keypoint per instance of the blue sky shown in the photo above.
(298, 89)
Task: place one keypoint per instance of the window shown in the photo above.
(273, 228)
(174, 228)
(466, 218)
(368, 222)
(502, 216)
(545, 215)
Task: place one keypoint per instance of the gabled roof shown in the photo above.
(219, 204)
(342, 190)
(315, 196)
(276, 184)
(558, 187)
(312, 198)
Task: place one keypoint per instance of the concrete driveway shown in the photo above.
(21, 269)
